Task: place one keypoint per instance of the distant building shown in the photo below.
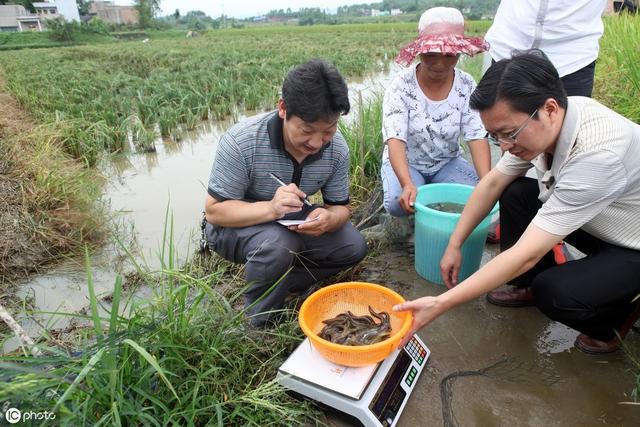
(396, 12)
(112, 14)
(68, 9)
(16, 18)
(375, 12)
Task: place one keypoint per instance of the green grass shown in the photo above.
(364, 138)
(32, 40)
(617, 80)
(114, 93)
(183, 356)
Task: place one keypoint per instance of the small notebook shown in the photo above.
(288, 222)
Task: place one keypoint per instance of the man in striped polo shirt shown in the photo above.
(587, 159)
(264, 169)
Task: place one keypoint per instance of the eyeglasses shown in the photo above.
(510, 139)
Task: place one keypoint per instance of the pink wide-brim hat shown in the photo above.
(441, 30)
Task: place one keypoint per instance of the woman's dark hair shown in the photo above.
(525, 81)
(315, 91)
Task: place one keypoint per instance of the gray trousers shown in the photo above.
(269, 250)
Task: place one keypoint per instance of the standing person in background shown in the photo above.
(297, 145)
(567, 31)
(426, 113)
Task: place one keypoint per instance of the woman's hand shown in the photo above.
(450, 266)
(408, 198)
(424, 310)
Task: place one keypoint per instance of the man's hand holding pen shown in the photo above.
(283, 184)
(287, 199)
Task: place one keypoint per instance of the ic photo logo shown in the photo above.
(13, 415)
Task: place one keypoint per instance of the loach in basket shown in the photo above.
(356, 297)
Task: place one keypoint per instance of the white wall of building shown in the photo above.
(68, 9)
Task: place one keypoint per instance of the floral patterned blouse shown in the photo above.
(432, 130)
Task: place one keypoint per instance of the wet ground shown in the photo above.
(532, 374)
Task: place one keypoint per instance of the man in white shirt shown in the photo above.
(567, 31)
(587, 193)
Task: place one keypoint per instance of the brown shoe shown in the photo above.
(511, 296)
(589, 345)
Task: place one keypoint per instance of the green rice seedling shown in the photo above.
(167, 121)
(364, 137)
(143, 139)
(617, 80)
(147, 108)
(477, 28)
(97, 83)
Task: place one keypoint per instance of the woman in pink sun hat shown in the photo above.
(426, 114)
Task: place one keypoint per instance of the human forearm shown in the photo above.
(340, 214)
(399, 162)
(481, 156)
(237, 213)
(520, 258)
(495, 273)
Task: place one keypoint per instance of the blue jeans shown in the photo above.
(457, 171)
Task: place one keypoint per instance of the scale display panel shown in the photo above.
(375, 395)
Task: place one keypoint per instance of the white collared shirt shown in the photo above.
(567, 31)
(594, 181)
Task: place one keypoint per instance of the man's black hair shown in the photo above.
(525, 82)
(315, 91)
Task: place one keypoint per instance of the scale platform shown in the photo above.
(375, 395)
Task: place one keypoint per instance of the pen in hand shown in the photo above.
(279, 181)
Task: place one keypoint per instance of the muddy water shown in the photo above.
(141, 187)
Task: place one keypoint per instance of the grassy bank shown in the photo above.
(183, 356)
(48, 199)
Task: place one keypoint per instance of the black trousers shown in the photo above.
(269, 250)
(578, 83)
(592, 295)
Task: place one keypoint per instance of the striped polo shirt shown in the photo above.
(594, 179)
(253, 148)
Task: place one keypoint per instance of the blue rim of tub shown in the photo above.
(424, 209)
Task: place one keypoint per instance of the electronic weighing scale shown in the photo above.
(374, 394)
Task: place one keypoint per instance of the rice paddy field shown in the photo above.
(104, 97)
(184, 355)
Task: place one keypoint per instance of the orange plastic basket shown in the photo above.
(356, 297)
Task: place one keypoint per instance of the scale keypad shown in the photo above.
(416, 351)
(411, 376)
